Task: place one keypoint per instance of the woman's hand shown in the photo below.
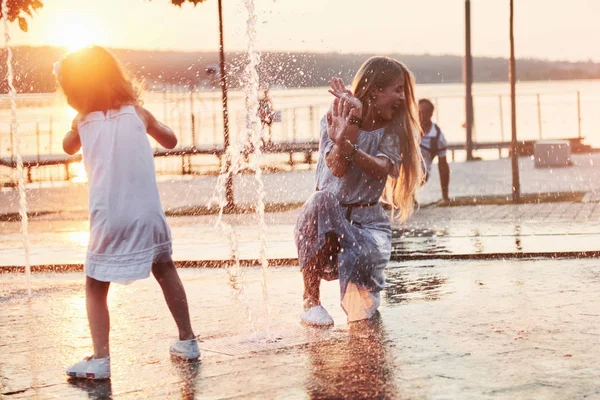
(338, 120)
(339, 91)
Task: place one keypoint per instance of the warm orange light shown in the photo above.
(71, 113)
(81, 238)
(78, 172)
(75, 31)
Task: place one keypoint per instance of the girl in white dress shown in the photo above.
(129, 235)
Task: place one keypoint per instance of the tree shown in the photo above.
(180, 2)
(226, 140)
(19, 9)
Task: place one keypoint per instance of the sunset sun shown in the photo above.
(75, 32)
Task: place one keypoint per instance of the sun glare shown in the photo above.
(81, 238)
(78, 173)
(70, 113)
(75, 32)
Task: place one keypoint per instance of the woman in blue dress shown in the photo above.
(369, 155)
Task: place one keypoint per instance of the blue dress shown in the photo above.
(349, 207)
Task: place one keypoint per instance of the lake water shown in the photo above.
(44, 118)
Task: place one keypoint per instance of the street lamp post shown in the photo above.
(468, 71)
(512, 74)
(226, 139)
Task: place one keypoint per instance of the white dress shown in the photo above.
(128, 228)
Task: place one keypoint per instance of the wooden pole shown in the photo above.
(512, 74)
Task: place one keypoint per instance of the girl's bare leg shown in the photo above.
(312, 273)
(96, 293)
(174, 292)
(312, 283)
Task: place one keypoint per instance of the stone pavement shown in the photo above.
(433, 232)
(60, 236)
(514, 329)
(480, 178)
(477, 178)
(564, 227)
(448, 330)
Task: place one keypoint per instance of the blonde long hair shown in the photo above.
(375, 74)
(93, 80)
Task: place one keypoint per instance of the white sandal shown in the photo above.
(91, 368)
(317, 316)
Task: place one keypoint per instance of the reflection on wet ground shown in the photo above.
(493, 232)
(436, 231)
(403, 284)
(497, 238)
(358, 366)
(447, 329)
(95, 390)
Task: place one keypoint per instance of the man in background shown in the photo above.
(266, 114)
(434, 144)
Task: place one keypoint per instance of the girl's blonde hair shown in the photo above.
(93, 80)
(375, 74)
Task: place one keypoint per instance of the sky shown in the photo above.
(545, 29)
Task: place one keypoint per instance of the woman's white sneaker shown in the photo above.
(185, 349)
(91, 368)
(317, 316)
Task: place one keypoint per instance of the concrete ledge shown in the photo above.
(293, 262)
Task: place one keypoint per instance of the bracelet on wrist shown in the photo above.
(352, 155)
(354, 120)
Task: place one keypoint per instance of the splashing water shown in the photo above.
(233, 159)
(14, 130)
(230, 168)
(236, 275)
(254, 132)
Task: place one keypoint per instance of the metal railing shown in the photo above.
(196, 118)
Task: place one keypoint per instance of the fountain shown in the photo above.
(253, 125)
(14, 125)
(232, 166)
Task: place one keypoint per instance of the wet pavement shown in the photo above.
(447, 329)
(495, 230)
(551, 229)
(468, 179)
(59, 228)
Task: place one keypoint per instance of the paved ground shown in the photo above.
(467, 179)
(433, 231)
(60, 236)
(448, 329)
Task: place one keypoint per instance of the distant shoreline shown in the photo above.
(290, 70)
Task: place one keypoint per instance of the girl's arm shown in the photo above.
(340, 130)
(159, 131)
(376, 167)
(336, 158)
(344, 152)
(71, 141)
(344, 135)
